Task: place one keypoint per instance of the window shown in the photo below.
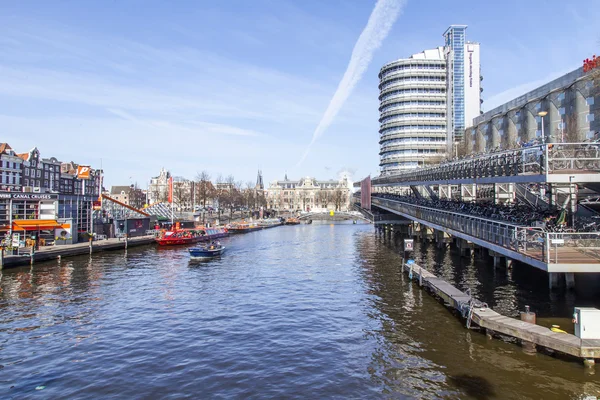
(26, 182)
(589, 117)
(538, 106)
(590, 101)
(561, 97)
(561, 111)
(26, 171)
(39, 173)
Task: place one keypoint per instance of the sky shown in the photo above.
(234, 86)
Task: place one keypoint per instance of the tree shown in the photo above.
(137, 199)
(204, 188)
(322, 197)
(338, 198)
(250, 195)
(182, 195)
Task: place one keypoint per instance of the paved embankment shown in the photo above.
(53, 252)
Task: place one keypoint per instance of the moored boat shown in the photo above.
(292, 221)
(243, 227)
(190, 236)
(206, 251)
(270, 222)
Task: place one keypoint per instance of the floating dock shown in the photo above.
(53, 252)
(479, 314)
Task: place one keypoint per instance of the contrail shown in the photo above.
(380, 22)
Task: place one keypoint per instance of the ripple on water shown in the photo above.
(311, 311)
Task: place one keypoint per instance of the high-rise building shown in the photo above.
(412, 111)
(464, 82)
(425, 101)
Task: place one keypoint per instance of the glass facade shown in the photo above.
(455, 41)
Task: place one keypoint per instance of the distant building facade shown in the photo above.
(129, 195)
(569, 106)
(158, 189)
(309, 194)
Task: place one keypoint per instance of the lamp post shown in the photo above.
(543, 114)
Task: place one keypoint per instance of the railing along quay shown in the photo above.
(551, 252)
(552, 163)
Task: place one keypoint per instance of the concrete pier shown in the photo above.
(533, 335)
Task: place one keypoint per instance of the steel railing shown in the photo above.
(554, 158)
(529, 241)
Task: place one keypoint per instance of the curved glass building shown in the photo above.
(413, 109)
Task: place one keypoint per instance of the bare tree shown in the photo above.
(182, 195)
(338, 198)
(250, 195)
(137, 199)
(204, 188)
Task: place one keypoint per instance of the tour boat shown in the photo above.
(190, 236)
(270, 222)
(206, 252)
(292, 221)
(243, 227)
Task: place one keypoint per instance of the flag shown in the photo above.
(170, 189)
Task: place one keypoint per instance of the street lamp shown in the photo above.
(543, 114)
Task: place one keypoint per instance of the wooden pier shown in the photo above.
(479, 314)
(53, 252)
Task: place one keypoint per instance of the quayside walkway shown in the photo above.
(47, 253)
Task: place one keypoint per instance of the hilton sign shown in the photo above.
(589, 65)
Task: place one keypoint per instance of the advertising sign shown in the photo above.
(83, 172)
(408, 244)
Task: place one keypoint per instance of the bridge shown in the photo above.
(337, 216)
(558, 170)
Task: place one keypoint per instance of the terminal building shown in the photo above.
(45, 198)
(426, 101)
(563, 110)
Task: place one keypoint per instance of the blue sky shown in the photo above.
(233, 86)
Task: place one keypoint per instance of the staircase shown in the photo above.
(523, 193)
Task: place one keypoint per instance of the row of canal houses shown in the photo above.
(44, 198)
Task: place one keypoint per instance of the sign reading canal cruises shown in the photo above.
(589, 65)
(28, 196)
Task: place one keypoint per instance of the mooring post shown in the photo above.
(1, 257)
(90, 244)
(528, 316)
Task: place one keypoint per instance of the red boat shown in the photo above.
(190, 236)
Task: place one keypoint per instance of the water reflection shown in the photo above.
(429, 343)
(311, 311)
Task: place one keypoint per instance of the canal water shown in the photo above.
(308, 311)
